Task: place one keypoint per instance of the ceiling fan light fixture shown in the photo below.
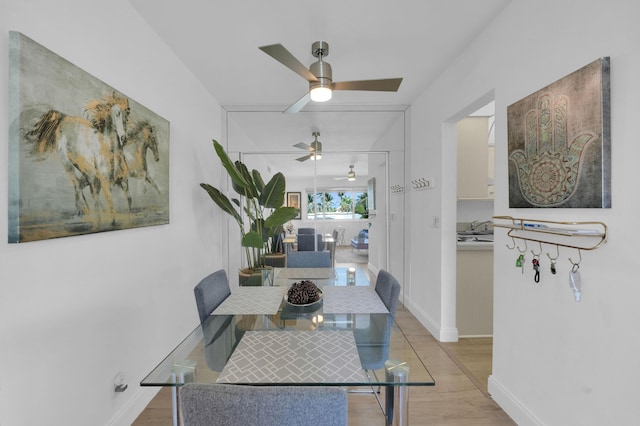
(320, 93)
(351, 176)
(316, 146)
(322, 89)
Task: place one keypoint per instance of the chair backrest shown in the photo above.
(302, 231)
(309, 259)
(210, 292)
(306, 242)
(235, 405)
(388, 288)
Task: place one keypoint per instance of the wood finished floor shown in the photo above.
(459, 397)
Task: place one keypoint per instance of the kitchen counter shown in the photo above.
(475, 241)
(474, 245)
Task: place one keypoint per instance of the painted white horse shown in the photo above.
(141, 137)
(90, 149)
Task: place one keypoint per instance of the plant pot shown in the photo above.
(256, 277)
(276, 260)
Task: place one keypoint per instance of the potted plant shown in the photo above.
(262, 208)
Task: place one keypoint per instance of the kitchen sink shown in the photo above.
(471, 233)
(475, 238)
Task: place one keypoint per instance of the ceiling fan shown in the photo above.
(320, 77)
(351, 176)
(315, 149)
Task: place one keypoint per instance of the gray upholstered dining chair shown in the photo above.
(307, 242)
(302, 231)
(388, 289)
(237, 405)
(309, 259)
(211, 292)
(373, 341)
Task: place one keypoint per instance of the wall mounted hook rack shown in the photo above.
(577, 235)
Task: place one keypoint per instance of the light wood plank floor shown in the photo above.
(459, 397)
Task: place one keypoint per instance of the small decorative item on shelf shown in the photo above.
(289, 227)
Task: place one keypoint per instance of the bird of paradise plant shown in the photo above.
(263, 207)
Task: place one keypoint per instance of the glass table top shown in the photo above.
(296, 345)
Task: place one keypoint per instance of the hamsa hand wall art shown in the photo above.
(559, 142)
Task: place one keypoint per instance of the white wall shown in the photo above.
(75, 311)
(555, 361)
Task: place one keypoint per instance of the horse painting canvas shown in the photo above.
(83, 158)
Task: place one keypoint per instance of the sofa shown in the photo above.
(361, 241)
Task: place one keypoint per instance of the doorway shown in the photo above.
(474, 259)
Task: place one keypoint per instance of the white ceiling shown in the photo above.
(369, 39)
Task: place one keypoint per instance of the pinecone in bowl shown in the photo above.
(303, 293)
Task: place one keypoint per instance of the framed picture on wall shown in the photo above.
(83, 157)
(293, 200)
(560, 142)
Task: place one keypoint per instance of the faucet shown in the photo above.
(477, 223)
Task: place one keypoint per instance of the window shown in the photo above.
(348, 205)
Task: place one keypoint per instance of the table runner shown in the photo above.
(352, 300)
(252, 301)
(306, 273)
(291, 356)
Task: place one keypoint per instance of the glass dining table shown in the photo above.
(254, 337)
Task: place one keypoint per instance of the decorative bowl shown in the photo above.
(306, 307)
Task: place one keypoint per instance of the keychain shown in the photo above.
(536, 267)
(575, 281)
(553, 260)
(520, 261)
(536, 263)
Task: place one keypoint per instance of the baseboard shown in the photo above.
(511, 405)
(136, 405)
(441, 334)
(473, 336)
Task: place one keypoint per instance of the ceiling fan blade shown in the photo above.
(298, 105)
(282, 55)
(384, 85)
(340, 178)
(304, 146)
(305, 158)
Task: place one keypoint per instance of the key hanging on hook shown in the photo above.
(536, 263)
(520, 262)
(536, 268)
(553, 260)
(575, 281)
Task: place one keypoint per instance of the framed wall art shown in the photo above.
(83, 157)
(559, 142)
(293, 200)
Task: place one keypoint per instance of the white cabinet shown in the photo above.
(474, 292)
(473, 167)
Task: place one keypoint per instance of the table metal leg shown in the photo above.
(396, 396)
(181, 373)
(175, 403)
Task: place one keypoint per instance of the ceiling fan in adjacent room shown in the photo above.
(320, 77)
(315, 149)
(351, 176)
